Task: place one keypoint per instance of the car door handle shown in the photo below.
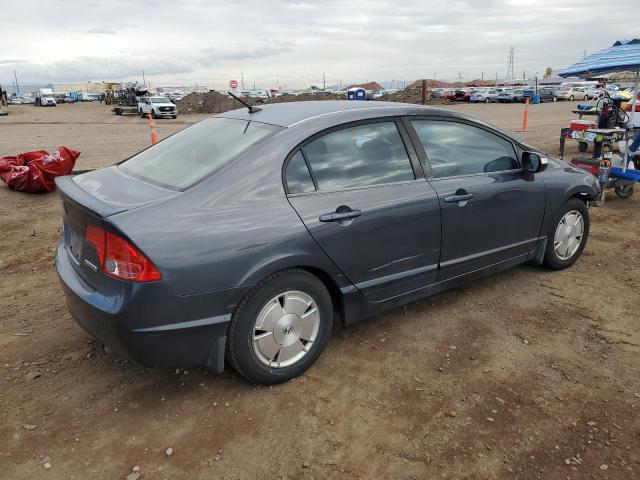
(462, 197)
(338, 216)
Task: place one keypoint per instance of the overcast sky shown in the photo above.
(293, 42)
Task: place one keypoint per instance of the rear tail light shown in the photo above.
(119, 258)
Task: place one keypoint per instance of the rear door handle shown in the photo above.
(338, 216)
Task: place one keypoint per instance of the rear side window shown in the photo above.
(297, 175)
(191, 154)
(359, 156)
(459, 149)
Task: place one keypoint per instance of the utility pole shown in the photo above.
(144, 81)
(324, 82)
(242, 80)
(584, 54)
(482, 76)
(16, 77)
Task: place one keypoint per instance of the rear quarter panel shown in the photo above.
(231, 230)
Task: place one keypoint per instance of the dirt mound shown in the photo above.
(413, 95)
(304, 97)
(210, 102)
(215, 102)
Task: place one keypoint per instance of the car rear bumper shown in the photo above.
(147, 322)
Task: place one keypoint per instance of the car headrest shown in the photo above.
(375, 150)
(317, 147)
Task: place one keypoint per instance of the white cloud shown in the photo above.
(296, 41)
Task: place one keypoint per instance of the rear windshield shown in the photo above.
(191, 154)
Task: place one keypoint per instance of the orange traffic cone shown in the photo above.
(154, 134)
(525, 116)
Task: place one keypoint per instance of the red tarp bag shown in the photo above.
(34, 172)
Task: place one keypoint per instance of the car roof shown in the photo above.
(289, 114)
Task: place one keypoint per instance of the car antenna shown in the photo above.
(251, 109)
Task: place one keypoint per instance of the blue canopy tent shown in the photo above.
(624, 55)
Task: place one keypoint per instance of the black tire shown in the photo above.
(141, 113)
(571, 98)
(583, 146)
(555, 99)
(624, 191)
(551, 260)
(487, 100)
(240, 351)
(174, 117)
(153, 114)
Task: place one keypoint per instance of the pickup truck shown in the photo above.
(157, 107)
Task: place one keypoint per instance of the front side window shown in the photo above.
(191, 154)
(359, 156)
(459, 149)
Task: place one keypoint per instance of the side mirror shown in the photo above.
(534, 162)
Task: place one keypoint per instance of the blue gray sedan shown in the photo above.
(252, 234)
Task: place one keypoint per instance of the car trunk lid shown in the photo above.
(90, 199)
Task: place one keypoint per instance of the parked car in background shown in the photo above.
(485, 96)
(548, 94)
(450, 95)
(247, 236)
(15, 101)
(594, 92)
(157, 107)
(508, 96)
(571, 93)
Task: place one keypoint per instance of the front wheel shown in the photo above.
(567, 236)
(486, 100)
(571, 98)
(280, 327)
(554, 99)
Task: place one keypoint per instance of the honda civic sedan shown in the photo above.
(249, 236)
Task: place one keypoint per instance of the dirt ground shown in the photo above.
(527, 374)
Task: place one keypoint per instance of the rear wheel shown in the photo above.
(583, 146)
(571, 98)
(280, 327)
(486, 100)
(568, 235)
(554, 99)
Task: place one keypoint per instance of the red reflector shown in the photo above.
(119, 258)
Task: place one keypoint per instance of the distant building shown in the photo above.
(89, 87)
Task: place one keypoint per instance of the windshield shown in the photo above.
(159, 100)
(193, 153)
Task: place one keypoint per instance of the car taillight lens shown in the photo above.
(119, 259)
